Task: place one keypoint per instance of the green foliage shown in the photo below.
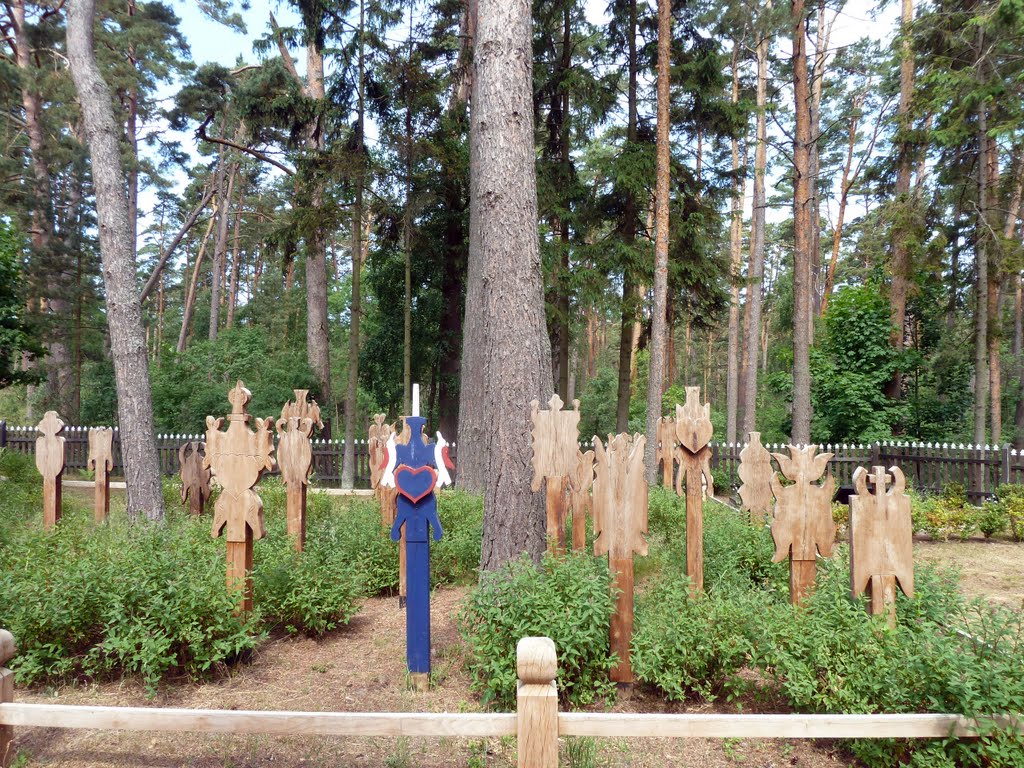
(993, 519)
(567, 598)
(1011, 499)
(851, 366)
(949, 515)
(15, 337)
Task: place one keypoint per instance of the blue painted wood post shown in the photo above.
(414, 470)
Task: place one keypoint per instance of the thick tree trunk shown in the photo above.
(505, 309)
(802, 240)
(226, 171)
(656, 377)
(755, 272)
(233, 287)
(735, 249)
(904, 170)
(981, 247)
(821, 56)
(124, 311)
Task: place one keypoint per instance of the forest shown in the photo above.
(842, 220)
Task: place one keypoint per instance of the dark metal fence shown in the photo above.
(928, 466)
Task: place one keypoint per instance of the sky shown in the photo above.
(212, 42)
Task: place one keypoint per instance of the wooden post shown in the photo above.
(620, 523)
(881, 539)
(295, 458)
(666, 450)
(537, 703)
(195, 476)
(1004, 466)
(556, 435)
(694, 431)
(756, 473)
(50, 463)
(580, 502)
(101, 461)
(7, 650)
(238, 458)
(802, 525)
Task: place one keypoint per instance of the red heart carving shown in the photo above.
(411, 482)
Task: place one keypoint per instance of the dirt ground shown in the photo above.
(988, 568)
(361, 668)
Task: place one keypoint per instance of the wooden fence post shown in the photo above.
(7, 650)
(1004, 465)
(3, 433)
(537, 703)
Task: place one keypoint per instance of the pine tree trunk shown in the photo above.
(981, 245)
(124, 311)
(755, 272)
(193, 287)
(220, 245)
(656, 377)
(802, 240)
(233, 288)
(735, 250)
(505, 302)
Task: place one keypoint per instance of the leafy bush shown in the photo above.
(945, 516)
(1011, 498)
(567, 598)
(993, 519)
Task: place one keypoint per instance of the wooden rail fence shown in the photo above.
(537, 723)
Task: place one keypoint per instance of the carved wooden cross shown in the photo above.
(195, 476)
(881, 539)
(580, 482)
(50, 463)
(693, 431)
(295, 458)
(755, 471)
(802, 525)
(620, 522)
(101, 461)
(238, 458)
(556, 435)
(666, 450)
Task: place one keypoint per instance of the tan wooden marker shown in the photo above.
(7, 650)
(755, 471)
(536, 703)
(50, 463)
(693, 432)
(881, 539)
(295, 458)
(665, 455)
(556, 435)
(195, 476)
(620, 523)
(377, 439)
(101, 461)
(802, 525)
(238, 458)
(580, 503)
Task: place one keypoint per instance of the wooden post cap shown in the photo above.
(7, 648)
(536, 661)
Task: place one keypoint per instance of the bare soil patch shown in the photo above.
(360, 669)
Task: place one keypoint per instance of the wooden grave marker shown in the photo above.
(665, 455)
(195, 476)
(556, 435)
(295, 459)
(50, 463)
(881, 539)
(383, 438)
(620, 525)
(580, 502)
(693, 432)
(238, 458)
(101, 461)
(755, 471)
(802, 524)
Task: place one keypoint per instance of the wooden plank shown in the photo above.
(802, 525)
(903, 726)
(665, 452)
(555, 436)
(580, 501)
(6, 731)
(50, 461)
(283, 723)
(693, 432)
(295, 459)
(101, 461)
(195, 476)
(756, 473)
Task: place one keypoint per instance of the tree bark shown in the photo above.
(124, 310)
(802, 240)
(656, 376)
(755, 272)
(981, 246)
(904, 170)
(233, 288)
(193, 286)
(505, 308)
(735, 249)
(220, 244)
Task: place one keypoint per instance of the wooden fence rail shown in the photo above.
(537, 723)
(929, 467)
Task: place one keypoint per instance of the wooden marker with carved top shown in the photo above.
(755, 471)
(555, 435)
(50, 463)
(101, 461)
(295, 458)
(694, 431)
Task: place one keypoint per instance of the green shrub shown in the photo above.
(1011, 497)
(567, 598)
(993, 519)
(455, 558)
(942, 517)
